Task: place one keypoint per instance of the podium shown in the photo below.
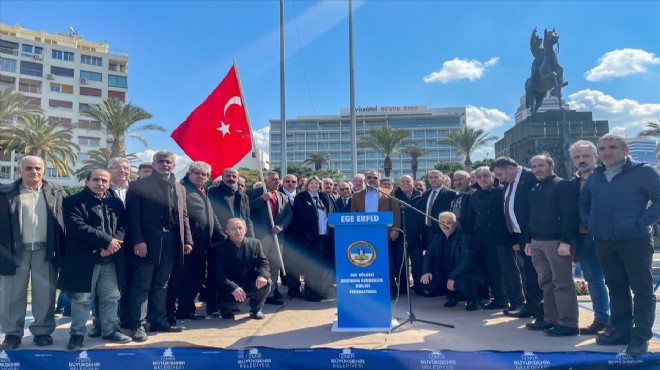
(363, 282)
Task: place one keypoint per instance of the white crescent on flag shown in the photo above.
(233, 100)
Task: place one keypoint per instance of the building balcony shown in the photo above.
(31, 72)
(29, 89)
(8, 51)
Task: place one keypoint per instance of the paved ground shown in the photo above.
(302, 324)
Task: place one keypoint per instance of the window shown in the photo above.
(30, 50)
(8, 47)
(82, 106)
(81, 157)
(120, 95)
(5, 172)
(61, 88)
(7, 65)
(91, 76)
(89, 141)
(88, 59)
(89, 125)
(59, 71)
(59, 121)
(51, 172)
(62, 55)
(89, 91)
(60, 104)
(33, 87)
(117, 81)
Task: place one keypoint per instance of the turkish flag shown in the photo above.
(217, 132)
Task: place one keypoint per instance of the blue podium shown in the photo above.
(363, 284)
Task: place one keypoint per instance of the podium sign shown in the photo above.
(363, 283)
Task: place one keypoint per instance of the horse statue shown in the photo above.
(547, 74)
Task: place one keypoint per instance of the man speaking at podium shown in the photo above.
(371, 200)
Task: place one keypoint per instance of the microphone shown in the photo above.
(372, 187)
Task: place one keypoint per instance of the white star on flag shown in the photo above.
(224, 128)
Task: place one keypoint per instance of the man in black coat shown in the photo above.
(519, 181)
(160, 234)
(436, 200)
(94, 259)
(241, 271)
(31, 244)
(344, 200)
(450, 265)
(413, 224)
(186, 279)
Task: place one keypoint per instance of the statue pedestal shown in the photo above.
(551, 131)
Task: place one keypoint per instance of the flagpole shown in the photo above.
(261, 171)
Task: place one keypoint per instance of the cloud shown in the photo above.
(485, 118)
(625, 116)
(619, 63)
(262, 138)
(458, 69)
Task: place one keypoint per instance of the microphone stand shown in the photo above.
(411, 315)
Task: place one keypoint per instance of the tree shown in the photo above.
(99, 158)
(14, 107)
(652, 129)
(387, 141)
(415, 152)
(318, 160)
(299, 171)
(34, 136)
(448, 168)
(484, 162)
(120, 120)
(466, 141)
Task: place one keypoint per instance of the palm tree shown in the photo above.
(387, 141)
(120, 121)
(317, 159)
(99, 158)
(652, 129)
(466, 141)
(415, 152)
(14, 106)
(35, 136)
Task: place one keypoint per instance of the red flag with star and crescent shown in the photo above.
(217, 132)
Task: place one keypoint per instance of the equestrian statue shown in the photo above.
(547, 74)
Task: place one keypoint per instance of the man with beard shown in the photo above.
(551, 228)
(462, 187)
(585, 157)
(228, 202)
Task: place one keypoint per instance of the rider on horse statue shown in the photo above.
(547, 74)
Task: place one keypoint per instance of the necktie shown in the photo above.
(430, 207)
(345, 202)
(507, 215)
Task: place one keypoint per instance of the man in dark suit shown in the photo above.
(241, 270)
(436, 200)
(344, 200)
(413, 222)
(371, 200)
(263, 206)
(519, 181)
(160, 234)
(187, 279)
(94, 260)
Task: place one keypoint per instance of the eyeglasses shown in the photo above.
(290, 181)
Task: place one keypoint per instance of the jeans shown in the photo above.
(104, 284)
(587, 255)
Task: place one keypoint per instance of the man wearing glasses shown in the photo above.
(344, 200)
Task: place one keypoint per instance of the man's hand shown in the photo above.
(564, 249)
(426, 278)
(265, 196)
(114, 246)
(261, 282)
(516, 247)
(105, 253)
(239, 294)
(140, 249)
(450, 285)
(528, 249)
(277, 229)
(394, 235)
(187, 248)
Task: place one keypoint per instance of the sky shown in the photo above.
(439, 54)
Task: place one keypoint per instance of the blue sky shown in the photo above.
(179, 51)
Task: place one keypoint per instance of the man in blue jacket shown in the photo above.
(613, 205)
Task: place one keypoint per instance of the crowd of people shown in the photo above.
(139, 254)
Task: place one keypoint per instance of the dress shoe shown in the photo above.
(561, 331)
(75, 343)
(139, 335)
(257, 315)
(190, 316)
(11, 342)
(519, 312)
(472, 306)
(495, 306)
(637, 347)
(117, 337)
(592, 329)
(538, 325)
(274, 301)
(94, 332)
(451, 303)
(166, 328)
(613, 339)
(228, 315)
(43, 340)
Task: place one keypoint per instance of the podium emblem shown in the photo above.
(361, 253)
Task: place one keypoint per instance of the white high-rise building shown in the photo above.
(549, 103)
(643, 150)
(61, 74)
